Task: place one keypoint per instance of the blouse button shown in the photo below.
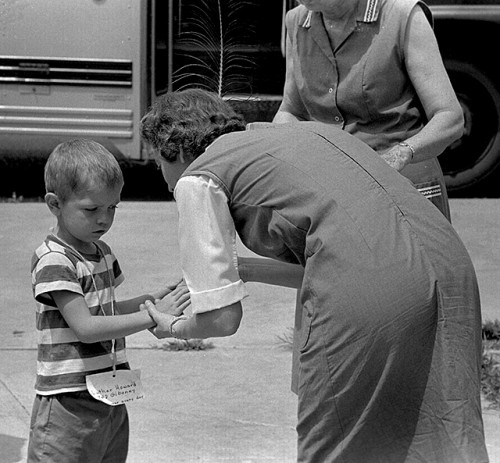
(330, 90)
(336, 118)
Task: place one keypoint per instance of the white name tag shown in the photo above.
(120, 387)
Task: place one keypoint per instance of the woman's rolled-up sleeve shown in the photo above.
(207, 241)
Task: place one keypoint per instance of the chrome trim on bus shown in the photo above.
(39, 120)
(64, 110)
(73, 70)
(66, 58)
(71, 132)
(65, 71)
(66, 121)
(31, 81)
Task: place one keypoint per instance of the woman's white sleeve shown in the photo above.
(207, 241)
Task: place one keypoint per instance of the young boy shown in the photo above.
(80, 326)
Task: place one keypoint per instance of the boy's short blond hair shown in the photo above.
(80, 163)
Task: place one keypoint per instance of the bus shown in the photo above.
(91, 68)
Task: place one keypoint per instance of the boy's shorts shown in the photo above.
(75, 427)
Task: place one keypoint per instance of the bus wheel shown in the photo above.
(474, 156)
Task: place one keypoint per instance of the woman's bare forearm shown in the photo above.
(270, 271)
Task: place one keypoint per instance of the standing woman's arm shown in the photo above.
(433, 87)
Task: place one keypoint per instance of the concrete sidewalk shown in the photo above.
(208, 407)
(231, 403)
(199, 406)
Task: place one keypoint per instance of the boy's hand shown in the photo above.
(171, 306)
(162, 320)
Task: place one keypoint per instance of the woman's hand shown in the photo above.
(175, 302)
(160, 294)
(398, 157)
(163, 320)
(167, 309)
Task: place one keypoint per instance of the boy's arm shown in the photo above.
(132, 305)
(89, 328)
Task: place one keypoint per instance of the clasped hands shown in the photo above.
(168, 306)
(397, 157)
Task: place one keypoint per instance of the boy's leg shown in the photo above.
(74, 427)
(118, 432)
(36, 435)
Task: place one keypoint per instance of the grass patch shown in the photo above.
(185, 344)
(490, 365)
(490, 378)
(491, 330)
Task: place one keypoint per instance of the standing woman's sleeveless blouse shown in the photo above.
(362, 85)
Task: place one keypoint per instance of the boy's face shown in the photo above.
(85, 216)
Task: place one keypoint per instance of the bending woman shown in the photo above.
(389, 322)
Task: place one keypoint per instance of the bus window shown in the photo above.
(230, 47)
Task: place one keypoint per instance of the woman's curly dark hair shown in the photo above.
(189, 119)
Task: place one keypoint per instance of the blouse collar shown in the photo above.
(367, 12)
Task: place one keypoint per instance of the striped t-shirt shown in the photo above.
(63, 361)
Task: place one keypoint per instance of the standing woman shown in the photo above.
(373, 68)
(389, 325)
